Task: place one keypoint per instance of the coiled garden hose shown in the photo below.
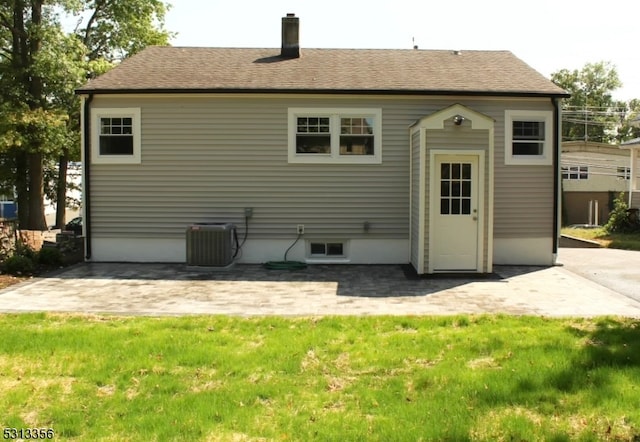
(287, 265)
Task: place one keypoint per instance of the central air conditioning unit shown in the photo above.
(210, 244)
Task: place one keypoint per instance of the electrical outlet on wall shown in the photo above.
(300, 229)
(248, 212)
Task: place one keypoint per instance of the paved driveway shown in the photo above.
(618, 270)
(165, 289)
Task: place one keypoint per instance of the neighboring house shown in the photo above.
(634, 183)
(593, 175)
(448, 160)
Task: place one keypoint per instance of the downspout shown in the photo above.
(556, 176)
(86, 221)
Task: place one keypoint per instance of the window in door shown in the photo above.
(455, 188)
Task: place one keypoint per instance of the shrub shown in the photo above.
(50, 256)
(25, 250)
(19, 265)
(619, 220)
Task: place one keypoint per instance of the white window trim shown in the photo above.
(334, 114)
(546, 159)
(122, 112)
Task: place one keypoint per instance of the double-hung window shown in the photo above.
(335, 135)
(116, 135)
(528, 137)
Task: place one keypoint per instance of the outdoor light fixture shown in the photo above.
(458, 119)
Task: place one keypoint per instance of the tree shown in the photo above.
(41, 65)
(627, 131)
(591, 114)
(110, 31)
(31, 125)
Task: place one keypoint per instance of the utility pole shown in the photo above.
(586, 123)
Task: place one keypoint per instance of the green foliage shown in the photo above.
(27, 251)
(619, 218)
(626, 130)
(19, 265)
(591, 114)
(41, 65)
(50, 256)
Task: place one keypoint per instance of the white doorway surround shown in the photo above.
(452, 165)
(457, 236)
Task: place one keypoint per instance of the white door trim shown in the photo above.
(433, 200)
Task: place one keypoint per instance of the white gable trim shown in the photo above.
(436, 120)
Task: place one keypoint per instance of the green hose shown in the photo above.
(286, 265)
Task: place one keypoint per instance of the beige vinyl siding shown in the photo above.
(635, 199)
(523, 196)
(205, 158)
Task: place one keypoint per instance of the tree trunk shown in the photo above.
(61, 203)
(36, 219)
(22, 188)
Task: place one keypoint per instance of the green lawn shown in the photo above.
(627, 241)
(484, 378)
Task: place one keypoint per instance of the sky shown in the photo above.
(549, 35)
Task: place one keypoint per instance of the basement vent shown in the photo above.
(210, 245)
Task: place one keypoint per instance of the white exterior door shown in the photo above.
(454, 213)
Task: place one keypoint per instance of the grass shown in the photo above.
(627, 241)
(480, 378)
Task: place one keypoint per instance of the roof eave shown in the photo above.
(630, 144)
(438, 92)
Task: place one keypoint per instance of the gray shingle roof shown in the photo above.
(176, 69)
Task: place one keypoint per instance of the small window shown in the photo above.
(116, 135)
(624, 173)
(326, 249)
(528, 137)
(575, 172)
(335, 135)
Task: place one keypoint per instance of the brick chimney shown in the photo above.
(290, 36)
